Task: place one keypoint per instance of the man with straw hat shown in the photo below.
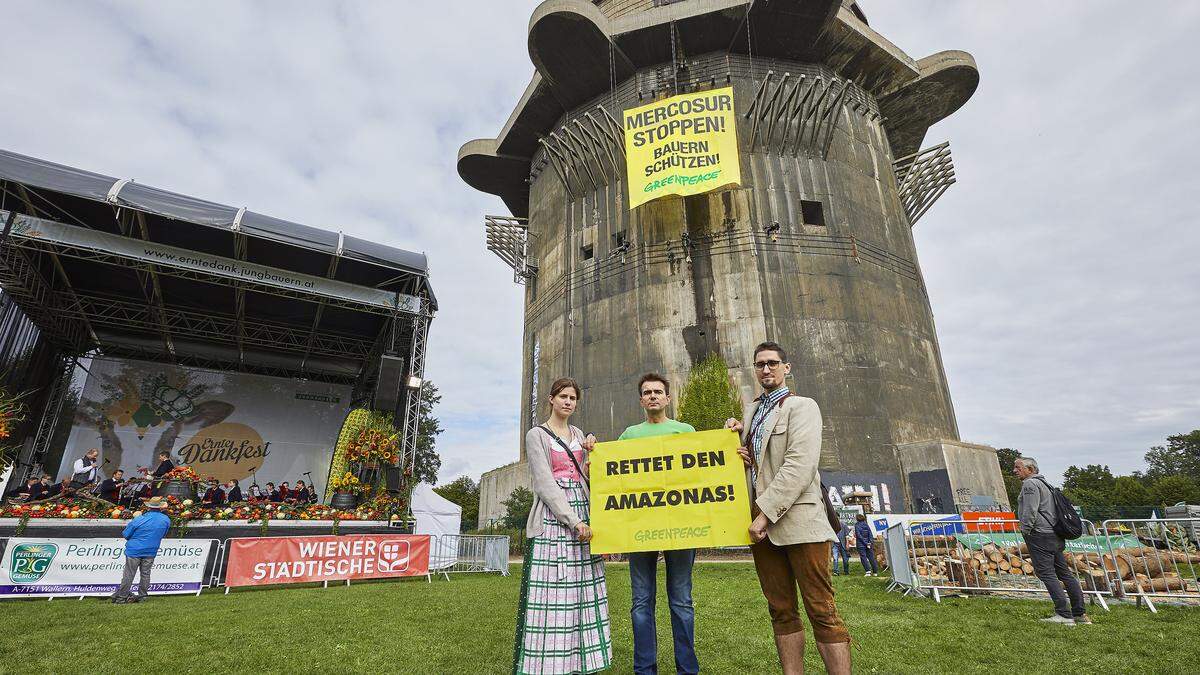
(143, 535)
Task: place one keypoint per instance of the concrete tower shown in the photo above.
(814, 250)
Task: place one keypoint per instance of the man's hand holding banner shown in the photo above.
(669, 492)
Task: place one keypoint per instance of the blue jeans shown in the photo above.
(643, 568)
(839, 551)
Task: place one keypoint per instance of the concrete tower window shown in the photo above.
(586, 252)
(812, 213)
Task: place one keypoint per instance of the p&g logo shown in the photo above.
(30, 562)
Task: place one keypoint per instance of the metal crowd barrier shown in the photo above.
(895, 552)
(1154, 558)
(934, 557)
(452, 553)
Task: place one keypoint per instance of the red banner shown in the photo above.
(985, 521)
(257, 561)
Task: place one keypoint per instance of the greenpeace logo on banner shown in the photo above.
(682, 145)
(30, 562)
(669, 492)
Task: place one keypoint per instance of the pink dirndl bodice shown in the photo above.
(560, 463)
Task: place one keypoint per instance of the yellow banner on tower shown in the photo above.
(682, 145)
(669, 492)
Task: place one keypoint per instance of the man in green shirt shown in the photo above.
(655, 394)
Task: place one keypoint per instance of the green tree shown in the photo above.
(1127, 492)
(464, 492)
(517, 507)
(1170, 490)
(1092, 477)
(1181, 455)
(709, 398)
(1012, 484)
(427, 461)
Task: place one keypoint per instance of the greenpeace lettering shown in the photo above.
(672, 533)
(682, 145)
(284, 560)
(669, 492)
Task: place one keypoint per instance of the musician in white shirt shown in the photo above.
(86, 469)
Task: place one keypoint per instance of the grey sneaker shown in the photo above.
(1058, 619)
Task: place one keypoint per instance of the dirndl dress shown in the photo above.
(562, 618)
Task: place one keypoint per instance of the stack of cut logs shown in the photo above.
(1141, 569)
(1145, 569)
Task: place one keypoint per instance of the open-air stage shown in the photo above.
(247, 348)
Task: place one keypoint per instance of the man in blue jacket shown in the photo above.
(143, 536)
(865, 539)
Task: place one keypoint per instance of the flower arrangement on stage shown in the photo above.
(182, 473)
(181, 512)
(12, 412)
(348, 482)
(373, 444)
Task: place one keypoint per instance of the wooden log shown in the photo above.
(1183, 558)
(1160, 585)
(995, 556)
(1014, 561)
(1004, 566)
(923, 549)
(933, 540)
(1120, 565)
(1026, 568)
(1095, 580)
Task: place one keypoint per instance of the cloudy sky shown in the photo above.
(1062, 266)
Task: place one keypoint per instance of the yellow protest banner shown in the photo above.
(669, 492)
(682, 145)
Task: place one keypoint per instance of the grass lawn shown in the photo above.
(466, 625)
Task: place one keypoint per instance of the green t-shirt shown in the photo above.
(646, 429)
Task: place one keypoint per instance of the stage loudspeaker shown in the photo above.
(387, 388)
(393, 476)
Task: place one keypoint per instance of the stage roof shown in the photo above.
(112, 266)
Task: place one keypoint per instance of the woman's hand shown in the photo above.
(733, 425)
(584, 532)
(590, 442)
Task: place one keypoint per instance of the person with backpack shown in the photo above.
(1040, 526)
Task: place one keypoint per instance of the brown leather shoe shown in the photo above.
(1083, 618)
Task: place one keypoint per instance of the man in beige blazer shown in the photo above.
(781, 445)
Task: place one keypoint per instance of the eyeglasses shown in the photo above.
(772, 364)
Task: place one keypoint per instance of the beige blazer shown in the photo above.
(788, 491)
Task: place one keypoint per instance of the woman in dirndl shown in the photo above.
(562, 617)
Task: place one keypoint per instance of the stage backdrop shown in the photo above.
(223, 424)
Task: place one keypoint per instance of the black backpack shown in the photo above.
(1066, 519)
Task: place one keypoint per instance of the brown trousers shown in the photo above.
(780, 570)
